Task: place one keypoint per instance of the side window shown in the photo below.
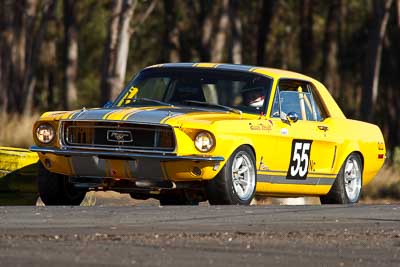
(320, 113)
(299, 97)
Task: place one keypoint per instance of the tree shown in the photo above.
(171, 42)
(329, 67)
(46, 87)
(116, 48)
(264, 26)
(379, 17)
(235, 51)
(201, 14)
(217, 51)
(69, 94)
(25, 24)
(19, 22)
(306, 35)
(5, 32)
(398, 13)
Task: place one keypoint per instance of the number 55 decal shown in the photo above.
(299, 159)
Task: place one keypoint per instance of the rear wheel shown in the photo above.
(348, 183)
(236, 182)
(55, 189)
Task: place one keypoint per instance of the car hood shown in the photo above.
(153, 115)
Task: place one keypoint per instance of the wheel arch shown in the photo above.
(236, 147)
(337, 193)
(344, 157)
(353, 152)
(345, 153)
(251, 148)
(229, 147)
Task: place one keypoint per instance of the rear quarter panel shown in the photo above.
(353, 136)
(360, 137)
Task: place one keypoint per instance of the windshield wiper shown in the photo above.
(144, 99)
(206, 104)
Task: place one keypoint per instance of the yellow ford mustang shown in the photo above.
(184, 133)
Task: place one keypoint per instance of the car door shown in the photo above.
(305, 150)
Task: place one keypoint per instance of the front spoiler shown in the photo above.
(121, 154)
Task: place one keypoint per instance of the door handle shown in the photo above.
(323, 128)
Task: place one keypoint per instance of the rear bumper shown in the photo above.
(121, 154)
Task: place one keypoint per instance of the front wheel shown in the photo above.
(55, 189)
(348, 183)
(236, 182)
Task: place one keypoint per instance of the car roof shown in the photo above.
(276, 74)
(270, 72)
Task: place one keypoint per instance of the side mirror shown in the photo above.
(108, 104)
(284, 118)
(292, 117)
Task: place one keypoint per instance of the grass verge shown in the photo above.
(386, 185)
(16, 130)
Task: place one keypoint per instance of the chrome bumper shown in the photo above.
(121, 154)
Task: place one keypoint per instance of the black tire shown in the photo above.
(338, 193)
(140, 195)
(55, 189)
(175, 198)
(221, 189)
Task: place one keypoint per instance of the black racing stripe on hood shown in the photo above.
(158, 115)
(91, 114)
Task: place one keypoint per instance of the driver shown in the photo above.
(253, 97)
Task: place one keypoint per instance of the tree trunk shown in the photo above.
(32, 55)
(398, 13)
(109, 54)
(3, 72)
(4, 56)
(48, 63)
(204, 24)
(330, 46)
(377, 30)
(264, 27)
(24, 13)
(12, 63)
(124, 37)
(306, 35)
(69, 94)
(171, 33)
(217, 52)
(116, 49)
(236, 32)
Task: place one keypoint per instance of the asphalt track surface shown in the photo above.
(360, 235)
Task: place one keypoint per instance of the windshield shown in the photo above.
(207, 88)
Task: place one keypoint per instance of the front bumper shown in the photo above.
(121, 154)
(128, 165)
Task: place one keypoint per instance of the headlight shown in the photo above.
(204, 141)
(45, 133)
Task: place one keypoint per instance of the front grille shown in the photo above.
(117, 135)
